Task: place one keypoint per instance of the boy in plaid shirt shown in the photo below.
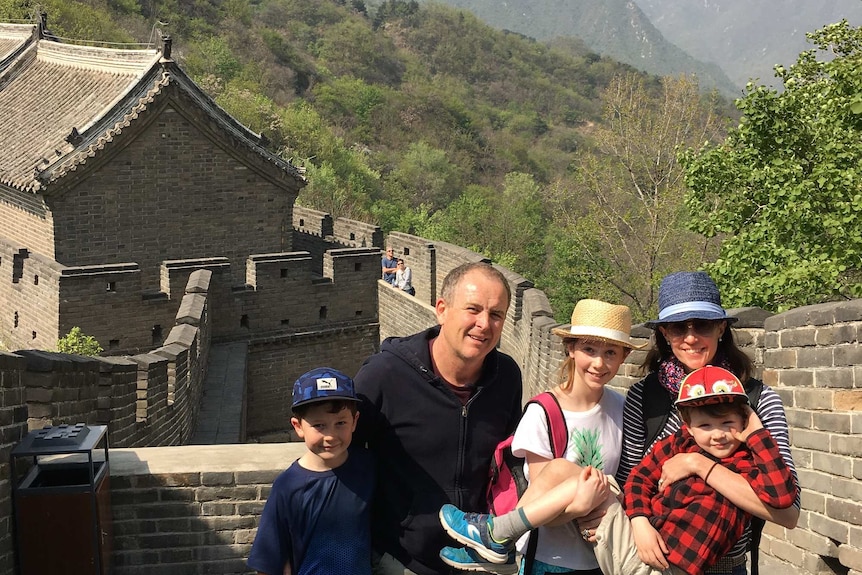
(686, 526)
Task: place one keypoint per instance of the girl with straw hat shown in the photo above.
(595, 345)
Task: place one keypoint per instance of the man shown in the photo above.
(433, 407)
(390, 266)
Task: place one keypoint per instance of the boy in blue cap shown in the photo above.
(316, 520)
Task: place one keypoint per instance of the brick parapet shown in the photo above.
(13, 427)
(191, 509)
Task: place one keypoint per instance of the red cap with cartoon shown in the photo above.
(708, 385)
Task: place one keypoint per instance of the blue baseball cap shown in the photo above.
(321, 384)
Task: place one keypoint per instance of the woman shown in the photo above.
(692, 331)
(404, 277)
(596, 344)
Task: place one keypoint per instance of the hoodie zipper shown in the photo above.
(462, 442)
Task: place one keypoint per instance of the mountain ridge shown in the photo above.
(615, 28)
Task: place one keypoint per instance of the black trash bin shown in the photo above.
(61, 498)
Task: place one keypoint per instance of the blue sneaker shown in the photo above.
(466, 559)
(474, 531)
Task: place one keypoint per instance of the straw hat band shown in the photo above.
(691, 306)
(588, 331)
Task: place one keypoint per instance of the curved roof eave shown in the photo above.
(150, 88)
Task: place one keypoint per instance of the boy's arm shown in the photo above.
(644, 480)
(767, 474)
(651, 547)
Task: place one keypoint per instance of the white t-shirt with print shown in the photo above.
(594, 438)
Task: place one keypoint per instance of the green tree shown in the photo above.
(78, 343)
(784, 190)
(625, 210)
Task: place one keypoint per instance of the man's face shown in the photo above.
(389, 254)
(471, 324)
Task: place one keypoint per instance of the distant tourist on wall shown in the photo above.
(390, 266)
(317, 518)
(434, 405)
(404, 277)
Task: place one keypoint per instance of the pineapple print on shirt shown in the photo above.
(585, 448)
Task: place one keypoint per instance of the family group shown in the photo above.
(674, 477)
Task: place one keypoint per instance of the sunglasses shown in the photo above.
(701, 327)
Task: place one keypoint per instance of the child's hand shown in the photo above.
(651, 547)
(752, 424)
(592, 490)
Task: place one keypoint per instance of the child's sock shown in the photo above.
(510, 526)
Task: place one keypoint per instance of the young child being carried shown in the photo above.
(683, 527)
(316, 520)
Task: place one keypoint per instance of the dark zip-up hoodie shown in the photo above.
(430, 449)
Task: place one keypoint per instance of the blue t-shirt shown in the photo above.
(388, 277)
(318, 521)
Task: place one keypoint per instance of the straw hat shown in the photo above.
(710, 385)
(688, 295)
(594, 319)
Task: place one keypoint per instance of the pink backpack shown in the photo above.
(507, 482)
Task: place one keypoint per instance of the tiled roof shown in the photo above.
(14, 36)
(61, 104)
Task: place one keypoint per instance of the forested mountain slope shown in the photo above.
(614, 28)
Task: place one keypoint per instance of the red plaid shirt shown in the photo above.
(698, 524)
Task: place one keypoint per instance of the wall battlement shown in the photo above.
(281, 292)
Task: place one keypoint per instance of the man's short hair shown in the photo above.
(454, 277)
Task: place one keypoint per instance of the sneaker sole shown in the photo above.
(486, 553)
(499, 569)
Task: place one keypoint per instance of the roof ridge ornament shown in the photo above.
(74, 137)
(167, 41)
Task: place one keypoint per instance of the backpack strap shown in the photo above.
(558, 434)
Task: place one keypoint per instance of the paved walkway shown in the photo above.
(221, 409)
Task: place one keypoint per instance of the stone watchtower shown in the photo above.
(118, 176)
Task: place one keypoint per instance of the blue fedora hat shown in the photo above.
(688, 295)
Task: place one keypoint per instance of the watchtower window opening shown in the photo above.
(406, 251)
(284, 272)
(322, 312)
(34, 335)
(301, 222)
(285, 322)
(156, 332)
(357, 267)
(114, 344)
(111, 286)
(15, 320)
(352, 236)
(35, 280)
(243, 321)
(18, 265)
